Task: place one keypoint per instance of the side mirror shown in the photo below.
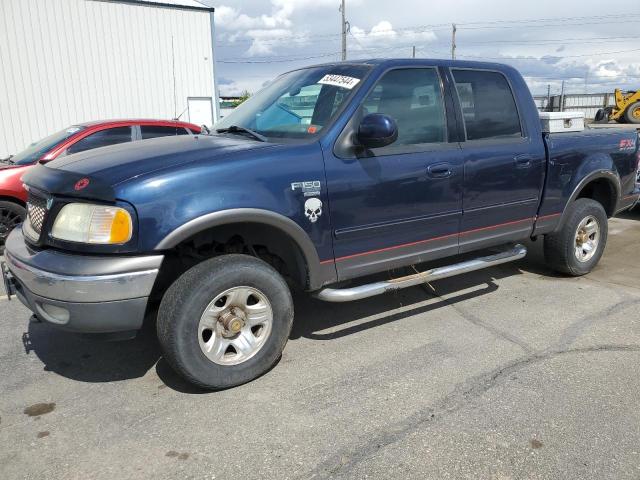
(377, 130)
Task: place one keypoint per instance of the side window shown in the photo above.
(488, 107)
(154, 131)
(101, 138)
(413, 98)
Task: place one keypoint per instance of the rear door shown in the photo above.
(503, 165)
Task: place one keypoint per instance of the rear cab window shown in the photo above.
(489, 109)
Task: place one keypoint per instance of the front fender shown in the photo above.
(251, 215)
(11, 183)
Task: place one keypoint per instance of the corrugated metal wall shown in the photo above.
(69, 61)
(589, 103)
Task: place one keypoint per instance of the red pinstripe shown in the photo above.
(419, 242)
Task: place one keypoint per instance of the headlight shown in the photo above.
(86, 223)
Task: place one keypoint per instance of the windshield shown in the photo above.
(36, 150)
(298, 104)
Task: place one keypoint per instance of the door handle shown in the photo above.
(440, 170)
(523, 161)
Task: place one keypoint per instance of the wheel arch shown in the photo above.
(602, 186)
(245, 218)
(17, 201)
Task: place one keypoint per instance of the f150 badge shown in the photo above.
(309, 189)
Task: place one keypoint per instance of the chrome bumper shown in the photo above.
(79, 292)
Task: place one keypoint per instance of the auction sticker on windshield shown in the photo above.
(339, 81)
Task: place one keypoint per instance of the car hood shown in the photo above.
(118, 163)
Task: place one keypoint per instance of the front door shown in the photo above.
(401, 204)
(503, 165)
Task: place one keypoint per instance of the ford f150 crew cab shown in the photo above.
(330, 173)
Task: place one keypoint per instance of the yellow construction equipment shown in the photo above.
(626, 110)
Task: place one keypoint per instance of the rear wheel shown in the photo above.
(11, 215)
(225, 321)
(578, 246)
(632, 113)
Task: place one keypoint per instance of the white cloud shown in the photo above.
(546, 52)
(266, 32)
(384, 35)
(265, 41)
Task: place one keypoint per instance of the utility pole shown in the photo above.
(344, 32)
(586, 82)
(453, 41)
(548, 108)
(562, 97)
(413, 52)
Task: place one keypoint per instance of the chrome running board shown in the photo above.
(377, 288)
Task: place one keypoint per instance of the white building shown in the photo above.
(69, 61)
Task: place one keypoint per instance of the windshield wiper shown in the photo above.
(8, 160)
(242, 130)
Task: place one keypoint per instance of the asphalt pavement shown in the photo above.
(509, 373)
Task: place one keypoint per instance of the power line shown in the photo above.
(276, 59)
(287, 58)
(564, 24)
(602, 19)
(530, 20)
(563, 56)
(554, 40)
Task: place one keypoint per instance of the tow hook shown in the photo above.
(9, 280)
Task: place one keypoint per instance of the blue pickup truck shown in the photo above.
(330, 173)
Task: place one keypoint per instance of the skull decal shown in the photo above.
(313, 209)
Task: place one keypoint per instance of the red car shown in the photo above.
(77, 138)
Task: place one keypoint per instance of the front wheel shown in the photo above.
(577, 247)
(11, 215)
(225, 321)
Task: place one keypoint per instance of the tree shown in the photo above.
(243, 96)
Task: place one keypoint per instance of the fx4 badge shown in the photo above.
(627, 144)
(309, 189)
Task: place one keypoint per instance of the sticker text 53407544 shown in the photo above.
(339, 81)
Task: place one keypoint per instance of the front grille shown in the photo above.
(36, 210)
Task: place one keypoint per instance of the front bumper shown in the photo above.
(93, 294)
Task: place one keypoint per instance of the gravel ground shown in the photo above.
(508, 373)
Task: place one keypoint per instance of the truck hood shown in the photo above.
(118, 163)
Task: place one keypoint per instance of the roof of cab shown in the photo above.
(392, 62)
(131, 121)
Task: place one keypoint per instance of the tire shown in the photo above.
(188, 336)
(632, 113)
(11, 215)
(600, 116)
(566, 250)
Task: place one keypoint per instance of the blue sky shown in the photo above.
(594, 49)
